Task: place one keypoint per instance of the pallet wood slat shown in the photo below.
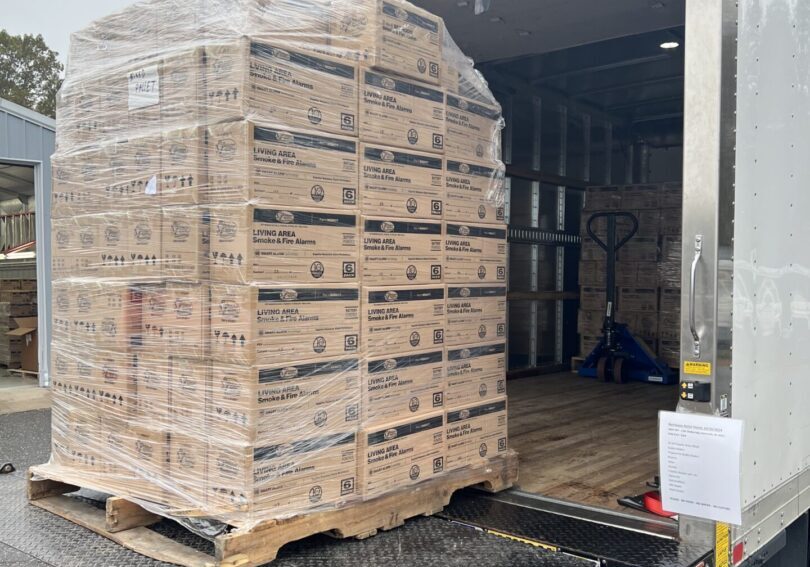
(123, 515)
(46, 487)
(141, 540)
(124, 521)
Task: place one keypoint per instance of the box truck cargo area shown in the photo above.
(586, 441)
(691, 129)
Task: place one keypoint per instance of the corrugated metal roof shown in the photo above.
(26, 135)
(27, 114)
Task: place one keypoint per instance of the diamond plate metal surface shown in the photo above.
(30, 537)
(614, 546)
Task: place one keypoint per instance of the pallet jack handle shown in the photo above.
(612, 216)
(611, 247)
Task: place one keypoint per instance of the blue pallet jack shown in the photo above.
(619, 356)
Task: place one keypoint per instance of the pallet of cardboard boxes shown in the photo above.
(282, 258)
(648, 267)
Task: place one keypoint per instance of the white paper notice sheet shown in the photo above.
(700, 465)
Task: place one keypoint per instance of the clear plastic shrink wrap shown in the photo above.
(268, 217)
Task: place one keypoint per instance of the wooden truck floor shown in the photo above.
(585, 441)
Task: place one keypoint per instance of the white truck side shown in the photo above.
(746, 250)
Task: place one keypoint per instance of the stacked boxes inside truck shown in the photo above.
(18, 304)
(648, 267)
(278, 257)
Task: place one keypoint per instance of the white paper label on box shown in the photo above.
(151, 186)
(700, 465)
(144, 87)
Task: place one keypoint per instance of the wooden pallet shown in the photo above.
(27, 373)
(125, 522)
(576, 362)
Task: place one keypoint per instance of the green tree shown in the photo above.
(29, 72)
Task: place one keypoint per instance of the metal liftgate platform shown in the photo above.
(602, 538)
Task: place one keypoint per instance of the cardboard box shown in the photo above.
(396, 183)
(399, 454)
(183, 176)
(602, 199)
(475, 310)
(190, 384)
(96, 399)
(473, 130)
(186, 242)
(402, 319)
(107, 315)
(130, 170)
(401, 113)
(144, 242)
(592, 273)
(21, 303)
(587, 343)
(669, 326)
(638, 299)
(669, 350)
(640, 197)
(590, 322)
(671, 196)
(144, 462)
(75, 185)
(187, 469)
(276, 83)
(390, 35)
(671, 221)
(672, 250)
(153, 386)
(670, 300)
(590, 251)
(282, 478)
(265, 325)
(265, 404)
(62, 310)
(451, 78)
(76, 440)
(401, 251)
(475, 373)
(395, 387)
(474, 253)
(592, 298)
(476, 433)
(302, 22)
(112, 253)
(156, 93)
(473, 191)
(643, 324)
(93, 245)
(280, 167)
(640, 249)
(97, 370)
(106, 244)
(63, 255)
(176, 318)
(646, 275)
(280, 245)
(628, 273)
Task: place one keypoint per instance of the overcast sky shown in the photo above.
(54, 19)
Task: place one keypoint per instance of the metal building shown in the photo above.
(27, 140)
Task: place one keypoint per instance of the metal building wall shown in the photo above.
(29, 138)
